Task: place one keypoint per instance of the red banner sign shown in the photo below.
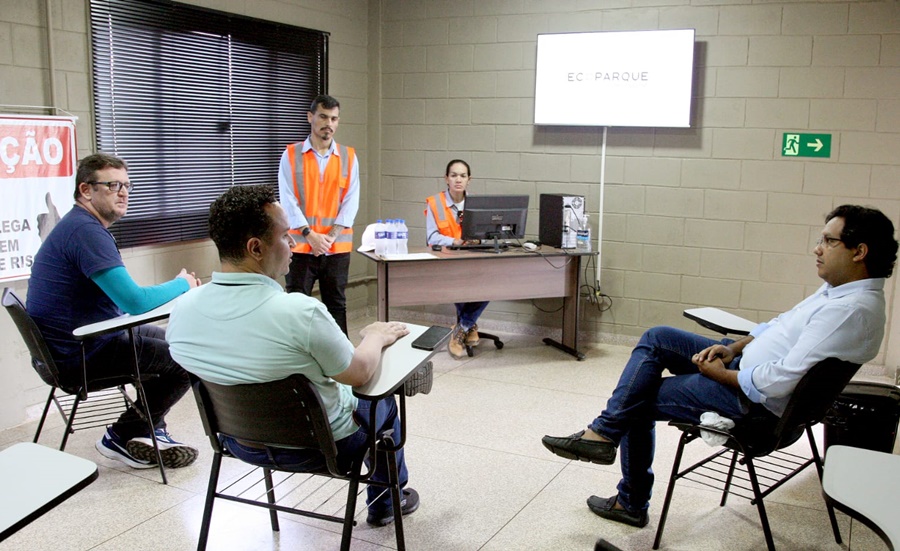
(35, 150)
(37, 177)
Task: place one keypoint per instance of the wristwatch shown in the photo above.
(305, 231)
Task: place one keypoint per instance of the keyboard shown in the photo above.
(480, 247)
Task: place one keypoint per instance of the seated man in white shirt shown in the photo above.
(844, 319)
(244, 328)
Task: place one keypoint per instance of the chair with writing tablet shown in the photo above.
(752, 463)
(83, 403)
(287, 413)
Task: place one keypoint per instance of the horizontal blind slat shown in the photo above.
(196, 101)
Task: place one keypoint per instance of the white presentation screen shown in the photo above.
(633, 78)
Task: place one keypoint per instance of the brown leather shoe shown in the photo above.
(457, 345)
(472, 338)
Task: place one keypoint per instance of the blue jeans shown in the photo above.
(378, 498)
(643, 396)
(467, 313)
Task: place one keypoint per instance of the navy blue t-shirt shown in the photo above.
(61, 295)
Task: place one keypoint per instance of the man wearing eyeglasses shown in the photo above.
(78, 278)
(843, 319)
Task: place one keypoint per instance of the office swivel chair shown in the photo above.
(470, 350)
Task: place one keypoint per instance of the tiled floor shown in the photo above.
(474, 455)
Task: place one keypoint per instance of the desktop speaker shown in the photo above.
(560, 217)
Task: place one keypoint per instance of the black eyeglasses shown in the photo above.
(115, 186)
(832, 242)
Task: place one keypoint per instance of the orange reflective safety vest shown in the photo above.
(320, 198)
(443, 216)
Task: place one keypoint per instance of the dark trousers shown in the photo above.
(332, 272)
(115, 359)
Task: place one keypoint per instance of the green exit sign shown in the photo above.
(806, 145)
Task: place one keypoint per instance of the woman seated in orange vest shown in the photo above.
(442, 226)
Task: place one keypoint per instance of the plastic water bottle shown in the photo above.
(380, 238)
(583, 237)
(390, 243)
(402, 237)
(569, 237)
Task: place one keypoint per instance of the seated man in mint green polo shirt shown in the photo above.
(244, 328)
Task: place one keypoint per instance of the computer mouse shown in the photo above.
(436, 248)
(529, 246)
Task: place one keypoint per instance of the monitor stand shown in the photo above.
(498, 247)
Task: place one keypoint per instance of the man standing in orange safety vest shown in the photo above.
(318, 183)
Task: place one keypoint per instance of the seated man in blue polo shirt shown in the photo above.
(78, 278)
(844, 319)
(244, 328)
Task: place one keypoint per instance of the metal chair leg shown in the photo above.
(729, 478)
(763, 518)
(142, 398)
(350, 512)
(210, 500)
(669, 491)
(40, 426)
(397, 497)
(817, 460)
(69, 422)
(270, 497)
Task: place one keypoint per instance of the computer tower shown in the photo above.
(560, 216)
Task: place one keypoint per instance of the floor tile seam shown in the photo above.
(856, 526)
(139, 474)
(523, 507)
(122, 532)
(484, 448)
(337, 528)
(537, 387)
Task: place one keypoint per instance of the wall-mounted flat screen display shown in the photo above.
(630, 78)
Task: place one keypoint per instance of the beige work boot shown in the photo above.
(457, 345)
(472, 338)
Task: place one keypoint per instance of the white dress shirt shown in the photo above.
(844, 322)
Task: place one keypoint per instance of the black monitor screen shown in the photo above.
(494, 217)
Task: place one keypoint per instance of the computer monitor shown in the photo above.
(494, 217)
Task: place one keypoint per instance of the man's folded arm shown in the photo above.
(130, 297)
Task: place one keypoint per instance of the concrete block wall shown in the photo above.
(710, 215)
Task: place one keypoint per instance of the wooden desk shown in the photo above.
(471, 276)
(35, 479)
(129, 322)
(865, 484)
